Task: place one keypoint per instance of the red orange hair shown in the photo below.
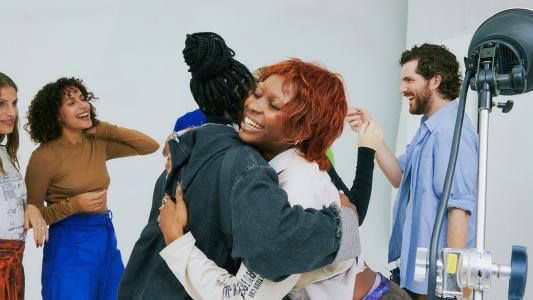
(315, 116)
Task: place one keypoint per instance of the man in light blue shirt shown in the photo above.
(430, 81)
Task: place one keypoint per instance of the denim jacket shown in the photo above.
(271, 237)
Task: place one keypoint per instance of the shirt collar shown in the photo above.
(440, 116)
(280, 161)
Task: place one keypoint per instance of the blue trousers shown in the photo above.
(81, 260)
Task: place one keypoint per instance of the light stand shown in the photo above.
(500, 56)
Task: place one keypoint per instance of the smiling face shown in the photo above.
(8, 109)
(263, 123)
(415, 88)
(75, 111)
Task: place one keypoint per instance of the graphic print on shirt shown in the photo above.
(12, 202)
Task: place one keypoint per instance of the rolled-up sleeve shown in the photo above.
(464, 185)
(402, 159)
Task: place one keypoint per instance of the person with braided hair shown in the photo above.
(281, 120)
(259, 235)
(197, 158)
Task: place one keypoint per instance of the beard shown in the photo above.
(420, 101)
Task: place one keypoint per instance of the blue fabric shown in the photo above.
(381, 290)
(424, 167)
(81, 259)
(194, 118)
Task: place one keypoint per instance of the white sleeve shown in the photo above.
(203, 279)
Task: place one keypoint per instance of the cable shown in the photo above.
(433, 250)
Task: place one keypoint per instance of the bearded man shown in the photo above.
(430, 81)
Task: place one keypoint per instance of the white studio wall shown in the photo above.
(509, 168)
(129, 54)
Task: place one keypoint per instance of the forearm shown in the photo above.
(296, 242)
(457, 228)
(362, 184)
(389, 164)
(58, 211)
(203, 279)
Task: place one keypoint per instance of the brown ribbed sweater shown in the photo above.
(58, 170)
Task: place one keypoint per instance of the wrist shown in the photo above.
(172, 236)
(75, 203)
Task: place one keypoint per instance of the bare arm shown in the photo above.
(389, 164)
(457, 228)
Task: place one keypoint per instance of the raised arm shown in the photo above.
(370, 136)
(387, 161)
(124, 142)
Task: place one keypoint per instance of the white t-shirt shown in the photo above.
(12, 201)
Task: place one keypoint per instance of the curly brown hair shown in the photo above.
(433, 60)
(43, 114)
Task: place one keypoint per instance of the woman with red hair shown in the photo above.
(296, 112)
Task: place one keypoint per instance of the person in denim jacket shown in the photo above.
(269, 235)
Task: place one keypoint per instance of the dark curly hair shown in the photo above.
(219, 83)
(12, 144)
(43, 114)
(433, 60)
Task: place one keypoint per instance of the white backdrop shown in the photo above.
(129, 55)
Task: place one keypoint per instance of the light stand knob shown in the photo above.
(517, 282)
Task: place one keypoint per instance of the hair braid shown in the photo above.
(219, 83)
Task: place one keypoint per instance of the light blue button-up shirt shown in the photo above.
(424, 168)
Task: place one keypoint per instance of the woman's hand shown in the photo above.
(345, 202)
(34, 219)
(370, 135)
(356, 117)
(91, 201)
(92, 129)
(173, 217)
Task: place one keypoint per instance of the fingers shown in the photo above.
(179, 192)
(37, 234)
(98, 195)
(165, 211)
(363, 129)
(40, 232)
(356, 117)
(352, 112)
(97, 200)
(164, 201)
(375, 129)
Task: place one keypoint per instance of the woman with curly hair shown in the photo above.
(15, 220)
(68, 171)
